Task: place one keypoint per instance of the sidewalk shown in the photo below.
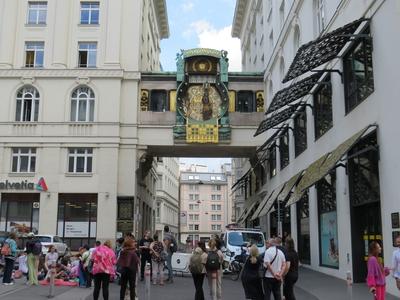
(326, 287)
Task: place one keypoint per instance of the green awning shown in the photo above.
(307, 180)
(289, 186)
(249, 203)
(271, 200)
(249, 209)
(261, 206)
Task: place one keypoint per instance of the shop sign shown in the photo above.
(76, 229)
(24, 185)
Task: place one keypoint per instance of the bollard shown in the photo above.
(147, 281)
(52, 278)
(349, 285)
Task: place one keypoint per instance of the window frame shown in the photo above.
(89, 100)
(90, 11)
(284, 155)
(321, 114)
(272, 168)
(20, 105)
(165, 104)
(297, 131)
(251, 107)
(351, 93)
(89, 51)
(37, 10)
(35, 47)
(18, 153)
(74, 155)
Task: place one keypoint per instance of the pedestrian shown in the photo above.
(158, 257)
(104, 261)
(85, 260)
(275, 264)
(128, 265)
(22, 264)
(118, 246)
(376, 272)
(33, 249)
(9, 251)
(50, 259)
(396, 262)
(197, 268)
(171, 246)
(145, 256)
(214, 270)
(292, 273)
(251, 280)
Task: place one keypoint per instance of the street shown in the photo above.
(311, 286)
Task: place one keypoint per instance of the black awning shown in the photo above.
(241, 180)
(293, 92)
(276, 119)
(269, 141)
(321, 50)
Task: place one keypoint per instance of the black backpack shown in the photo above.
(213, 263)
(37, 248)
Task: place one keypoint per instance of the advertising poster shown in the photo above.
(329, 240)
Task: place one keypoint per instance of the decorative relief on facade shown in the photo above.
(260, 101)
(144, 100)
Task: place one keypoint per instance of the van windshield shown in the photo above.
(238, 238)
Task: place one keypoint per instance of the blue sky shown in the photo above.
(200, 23)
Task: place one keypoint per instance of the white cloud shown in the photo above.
(187, 6)
(220, 39)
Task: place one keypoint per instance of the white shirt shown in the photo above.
(396, 263)
(51, 258)
(277, 264)
(22, 264)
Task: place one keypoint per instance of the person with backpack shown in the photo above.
(214, 270)
(33, 249)
(171, 247)
(158, 257)
(128, 263)
(197, 268)
(9, 251)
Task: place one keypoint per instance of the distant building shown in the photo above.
(205, 205)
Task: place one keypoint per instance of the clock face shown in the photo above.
(202, 103)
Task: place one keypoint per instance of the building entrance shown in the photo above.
(365, 205)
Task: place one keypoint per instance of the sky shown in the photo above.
(201, 24)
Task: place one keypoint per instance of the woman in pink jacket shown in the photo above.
(104, 261)
(376, 272)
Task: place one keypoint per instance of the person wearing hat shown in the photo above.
(33, 249)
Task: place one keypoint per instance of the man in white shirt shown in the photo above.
(275, 263)
(396, 262)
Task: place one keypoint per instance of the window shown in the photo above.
(193, 207)
(216, 207)
(193, 217)
(216, 197)
(90, 12)
(282, 68)
(216, 218)
(358, 73)
(216, 187)
(300, 132)
(296, 39)
(23, 160)
(27, 106)
(303, 228)
(323, 119)
(37, 12)
(284, 149)
(80, 160)
(34, 54)
(216, 227)
(245, 101)
(193, 187)
(272, 160)
(319, 12)
(158, 100)
(82, 105)
(87, 55)
(326, 193)
(194, 227)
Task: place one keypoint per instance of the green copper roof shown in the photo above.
(201, 52)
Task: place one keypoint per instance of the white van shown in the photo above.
(234, 239)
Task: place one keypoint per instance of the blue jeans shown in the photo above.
(169, 266)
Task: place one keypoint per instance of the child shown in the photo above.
(22, 265)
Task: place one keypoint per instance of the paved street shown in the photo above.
(311, 286)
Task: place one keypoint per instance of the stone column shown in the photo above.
(61, 33)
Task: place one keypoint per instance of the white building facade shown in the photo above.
(167, 196)
(339, 193)
(69, 76)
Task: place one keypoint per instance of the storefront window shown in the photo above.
(20, 213)
(77, 219)
(329, 250)
(303, 229)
